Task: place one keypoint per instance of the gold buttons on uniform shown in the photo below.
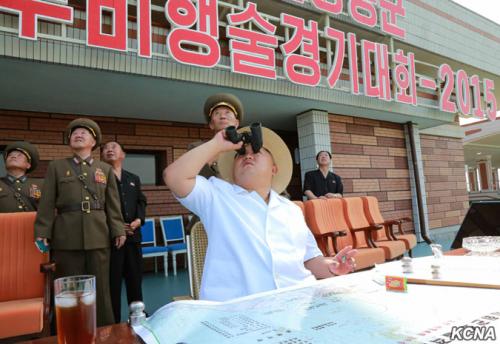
(20, 207)
(17, 181)
(84, 163)
(18, 189)
(87, 198)
(84, 173)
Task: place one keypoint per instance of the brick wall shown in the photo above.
(370, 156)
(167, 139)
(446, 188)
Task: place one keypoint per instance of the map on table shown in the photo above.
(346, 309)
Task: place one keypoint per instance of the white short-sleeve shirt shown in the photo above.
(253, 246)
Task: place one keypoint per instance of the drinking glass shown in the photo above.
(75, 309)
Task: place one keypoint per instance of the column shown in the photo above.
(313, 131)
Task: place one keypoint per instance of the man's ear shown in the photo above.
(29, 166)
(211, 124)
(275, 170)
(237, 123)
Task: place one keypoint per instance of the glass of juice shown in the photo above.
(75, 309)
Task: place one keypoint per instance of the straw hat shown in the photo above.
(281, 155)
(27, 149)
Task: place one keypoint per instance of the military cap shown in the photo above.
(27, 149)
(88, 124)
(223, 99)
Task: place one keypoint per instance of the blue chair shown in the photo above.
(149, 238)
(172, 228)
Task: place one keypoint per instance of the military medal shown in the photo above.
(100, 177)
(35, 191)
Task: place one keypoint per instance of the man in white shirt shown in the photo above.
(258, 240)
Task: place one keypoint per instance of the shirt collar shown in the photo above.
(273, 196)
(13, 179)
(77, 160)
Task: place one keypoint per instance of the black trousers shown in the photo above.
(126, 263)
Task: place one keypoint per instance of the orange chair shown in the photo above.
(357, 221)
(25, 280)
(372, 213)
(326, 220)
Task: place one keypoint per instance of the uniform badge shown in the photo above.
(100, 177)
(132, 184)
(35, 191)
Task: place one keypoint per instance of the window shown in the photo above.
(145, 165)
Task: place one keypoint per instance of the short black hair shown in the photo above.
(323, 151)
(115, 141)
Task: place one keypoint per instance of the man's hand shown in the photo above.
(180, 176)
(120, 241)
(343, 262)
(223, 144)
(135, 224)
(333, 195)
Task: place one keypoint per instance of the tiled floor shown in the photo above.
(159, 290)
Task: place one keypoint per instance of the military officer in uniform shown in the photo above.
(18, 192)
(79, 213)
(221, 111)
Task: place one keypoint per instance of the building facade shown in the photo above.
(380, 84)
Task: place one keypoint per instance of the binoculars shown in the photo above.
(254, 137)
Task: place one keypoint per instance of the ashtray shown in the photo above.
(481, 244)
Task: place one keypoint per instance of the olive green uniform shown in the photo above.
(208, 170)
(82, 228)
(19, 194)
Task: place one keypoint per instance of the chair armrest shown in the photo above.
(391, 222)
(323, 238)
(400, 222)
(339, 234)
(389, 229)
(335, 235)
(368, 237)
(369, 228)
(47, 269)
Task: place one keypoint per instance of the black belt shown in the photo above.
(84, 206)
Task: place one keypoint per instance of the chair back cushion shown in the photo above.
(326, 216)
(172, 228)
(148, 231)
(372, 210)
(20, 276)
(355, 217)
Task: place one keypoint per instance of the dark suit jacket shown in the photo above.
(133, 202)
